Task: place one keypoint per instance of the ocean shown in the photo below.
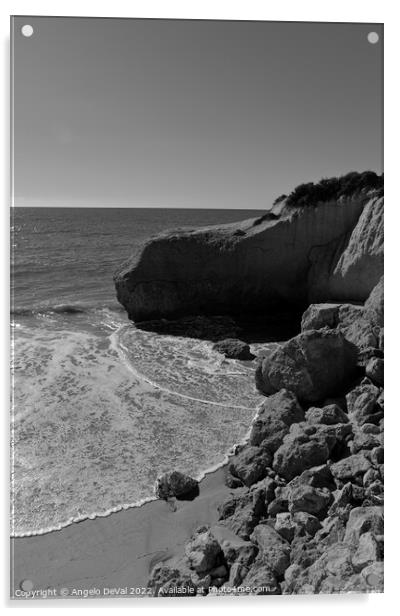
(100, 408)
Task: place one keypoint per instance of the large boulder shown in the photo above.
(314, 365)
(175, 483)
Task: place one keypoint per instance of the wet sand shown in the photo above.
(115, 552)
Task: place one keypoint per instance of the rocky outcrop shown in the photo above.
(332, 251)
(305, 511)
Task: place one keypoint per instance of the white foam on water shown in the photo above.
(100, 410)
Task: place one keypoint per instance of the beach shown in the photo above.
(116, 551)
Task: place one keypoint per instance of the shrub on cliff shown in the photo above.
(330, 189)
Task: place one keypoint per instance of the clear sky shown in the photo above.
(163, 113)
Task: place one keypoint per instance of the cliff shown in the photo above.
(329, 251)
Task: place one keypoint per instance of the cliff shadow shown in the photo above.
(274, 326)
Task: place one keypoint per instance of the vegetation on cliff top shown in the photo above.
(329, 189)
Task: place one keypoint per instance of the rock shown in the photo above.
(250, 465)
(235, 550)
(330, 414)
(374, 371)
(260, 580)
(377, 455)
(285, 526)
(234, 349)
(318, 316)
(344, 500)
(370, 477)
(175, 483)
(316, 476)
(225, 272)
(362, 520)
(242, 511)
(374, 576)
(203, 552)
(275, 416)
(374, 306)
(351, 468)
(298, 453)
(274, 550)
(305, 523)
(314, 365)
(362, 404)
(311, 500)
(325, 574)
(168, 581)
(368, 551)
(365, 441)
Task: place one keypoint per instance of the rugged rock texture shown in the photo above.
(329, 252)
(175, 483)
(305, 512)
(358, 261)
(360, 324)
(314, 365)
(234, 349)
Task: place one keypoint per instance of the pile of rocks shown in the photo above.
(305, 513)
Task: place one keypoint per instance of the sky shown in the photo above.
(196, 114)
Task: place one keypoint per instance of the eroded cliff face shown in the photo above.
(350, 269)
(303, 255)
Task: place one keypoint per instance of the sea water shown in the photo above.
(99, 407)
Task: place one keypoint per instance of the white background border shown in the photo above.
(287, 10)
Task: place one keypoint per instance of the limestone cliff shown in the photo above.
(333, 251)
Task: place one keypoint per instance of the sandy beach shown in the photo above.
(114, 552)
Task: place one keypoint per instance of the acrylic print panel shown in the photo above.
(197, 308)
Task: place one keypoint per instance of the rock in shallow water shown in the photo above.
(234, 349)
(175, 483)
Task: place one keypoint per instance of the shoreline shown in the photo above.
(117, 550)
